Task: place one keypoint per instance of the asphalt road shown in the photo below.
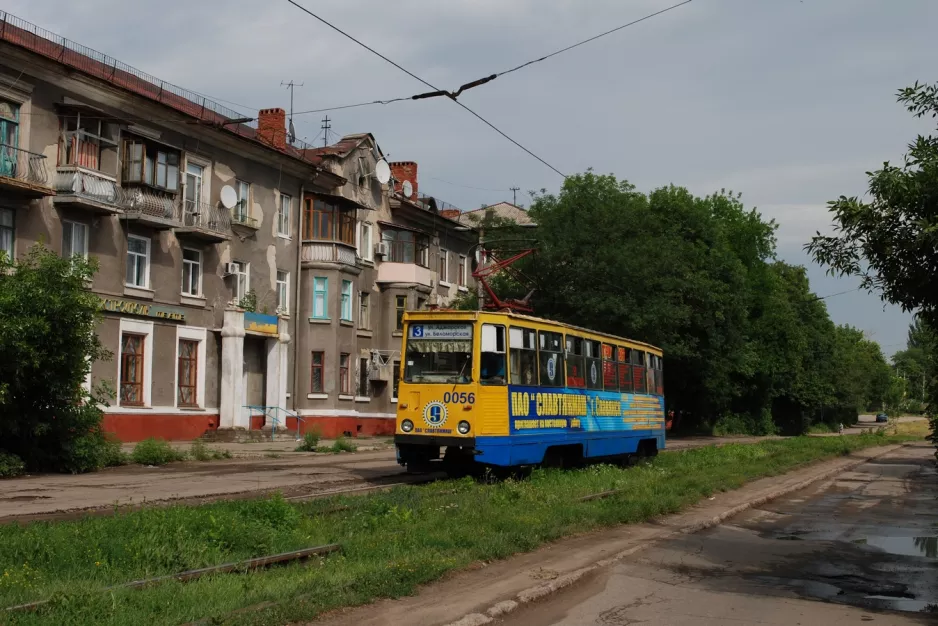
(859, 549)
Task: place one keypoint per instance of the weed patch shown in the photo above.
(310, 442)
(155, 452)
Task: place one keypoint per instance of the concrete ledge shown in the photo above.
(673, 526)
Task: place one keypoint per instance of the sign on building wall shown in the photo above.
(261, 324)
(143, 309)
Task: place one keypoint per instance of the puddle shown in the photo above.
(900, 604)
(904, 546)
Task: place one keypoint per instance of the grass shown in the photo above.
(155, 452)
(391, 541)
(310, 442)
(198, 451)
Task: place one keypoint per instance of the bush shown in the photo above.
(112, 455)
(310, 442)
(10, 465)
(155, 452)
(742, 424)
(48, 343)
(198, 451)
(342, 444)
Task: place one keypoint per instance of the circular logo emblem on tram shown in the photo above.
(552, 367)
(594, 375)
(434, 414)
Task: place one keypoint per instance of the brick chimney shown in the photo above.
(272, 127)
(404, 170)
(452, 214)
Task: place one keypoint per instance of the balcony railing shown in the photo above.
(206, 220)
(23, 169)
(89, 189)
(240, 217)
(151, 208)
(328, 252)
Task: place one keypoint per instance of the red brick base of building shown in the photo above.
(332, 427)
(172, 427)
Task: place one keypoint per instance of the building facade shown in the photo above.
(245, 281)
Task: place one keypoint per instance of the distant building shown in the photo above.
(505, 210)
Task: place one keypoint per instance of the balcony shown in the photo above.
(151, 209)
(204, 221)
(243, 223)
(24, 173)
(328, 252)
(89, 190)
(405, 273)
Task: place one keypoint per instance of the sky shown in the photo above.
(788, 102)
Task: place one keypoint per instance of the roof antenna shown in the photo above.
(291, 136)
(326, 128)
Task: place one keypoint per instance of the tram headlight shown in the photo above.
(463, 427)
(407, 426)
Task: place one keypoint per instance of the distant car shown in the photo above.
(882, 417)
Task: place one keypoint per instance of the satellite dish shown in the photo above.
(229, 197)
(407, 189)
(383, 172)
(291, 137)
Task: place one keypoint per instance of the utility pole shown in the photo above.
(480, 290)
(325, 134)
(291, 86)
(514, 195)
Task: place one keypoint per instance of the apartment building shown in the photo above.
(245, 281)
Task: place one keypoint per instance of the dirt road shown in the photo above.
(859, 549)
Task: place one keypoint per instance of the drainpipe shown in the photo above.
(296, 290)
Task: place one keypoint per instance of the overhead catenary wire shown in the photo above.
(436, 89)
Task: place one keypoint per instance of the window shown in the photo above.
(316, 384)
(188, 373)
(344, 374)
(610, 369)
(138, 261)
(594, 364)
(191, 272)
(550, 359)
(241, 272)
(364, 313)
(9, 137)
(362, 390)
(442, 360)
(283, 215)
(326, 221)
(320, 298)
(576, 363)
(444, 266)
(400, 305)
(625, 370)
(406, 246)
(242, 210)
(493, 355)
(194, 174)
(283, 291)
(461, 275)
(83, 139)
(395, 379)
(638, 371)
(131, 384)
(366, 248)
(74, 239)
(347, 300)
(522, 343)
(151, 164)
(6, 231)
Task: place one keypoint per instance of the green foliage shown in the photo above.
(310, 441)
(156, 452)
(48, 343)
(392, 542)
(11, 465)
(249, 301)
(343, 444)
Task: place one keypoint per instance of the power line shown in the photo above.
(594, 38)
(839, 293)
(466, 186)
(438, 92)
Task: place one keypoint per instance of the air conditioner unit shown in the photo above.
(380, 372)
(231, 268)
(382, 248)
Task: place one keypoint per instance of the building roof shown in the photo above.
(23, 34)
(505, 210)
(342, 148)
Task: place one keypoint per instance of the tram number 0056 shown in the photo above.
(459, 398)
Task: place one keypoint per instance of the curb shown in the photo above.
(565, 580)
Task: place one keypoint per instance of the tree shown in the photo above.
(48, 342)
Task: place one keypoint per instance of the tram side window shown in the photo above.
(522, 343)
(550, 359)
(493, 355)
(638, 371)
(576, 363)
(625, 370)
(594, 365)
(659, 375)
(610, 368)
